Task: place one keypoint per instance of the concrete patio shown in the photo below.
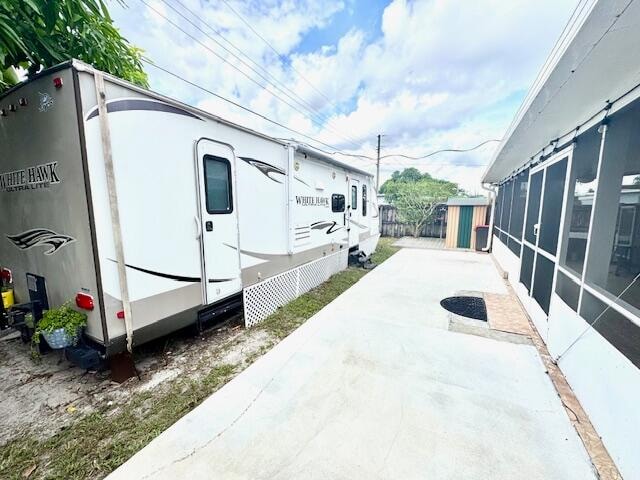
(377, 385)
(429, 243)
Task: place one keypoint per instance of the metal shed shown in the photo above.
(464, 214)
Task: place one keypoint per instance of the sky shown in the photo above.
(425, 74)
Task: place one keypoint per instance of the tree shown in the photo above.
(417, 200)
(36, 34)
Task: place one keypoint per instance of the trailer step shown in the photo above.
(218, 310)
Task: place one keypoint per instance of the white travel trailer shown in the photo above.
(154, 215)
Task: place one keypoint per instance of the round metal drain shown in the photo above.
(470, 307)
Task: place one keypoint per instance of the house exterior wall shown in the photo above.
(592, 323)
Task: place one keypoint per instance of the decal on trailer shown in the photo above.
(322, 225)
(40, 237)
(38, 176)
(310, 201)
(265, 168)
(46, 101)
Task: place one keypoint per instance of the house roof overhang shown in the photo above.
(595, 61)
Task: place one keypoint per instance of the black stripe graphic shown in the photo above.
(264, 168)
(322, 225)
(141, 104)
(177, 278)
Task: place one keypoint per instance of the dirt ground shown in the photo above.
(43, 396)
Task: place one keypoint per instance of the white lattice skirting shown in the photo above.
(264, 298)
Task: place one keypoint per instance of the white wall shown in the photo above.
(605, 382)
(509, 262)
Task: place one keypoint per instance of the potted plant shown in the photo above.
(60, 326)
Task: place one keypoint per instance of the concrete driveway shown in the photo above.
(375, 386)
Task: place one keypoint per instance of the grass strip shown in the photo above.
(98, 443)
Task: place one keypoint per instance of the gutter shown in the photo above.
(492, 196)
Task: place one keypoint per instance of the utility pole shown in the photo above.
(378, 167)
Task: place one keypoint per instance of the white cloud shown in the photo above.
(440, 74)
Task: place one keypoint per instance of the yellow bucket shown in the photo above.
(7, 298)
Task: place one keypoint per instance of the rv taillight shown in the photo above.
(5, 275)
(120, 314)
(57, 82)
(84, 301)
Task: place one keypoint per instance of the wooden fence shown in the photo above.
(390, 226)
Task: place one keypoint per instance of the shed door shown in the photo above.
(464, 227)
(215, 164)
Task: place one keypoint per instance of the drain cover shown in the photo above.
(470, 307)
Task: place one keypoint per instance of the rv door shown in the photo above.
(218, 222)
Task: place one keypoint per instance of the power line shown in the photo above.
(229, 63)
(236, 104)
(453, 150)
(334, 151)
(275, 82)
(280, 56)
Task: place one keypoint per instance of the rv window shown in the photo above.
(364, 200)
(354, 197)
(337, 202)
(217, 172)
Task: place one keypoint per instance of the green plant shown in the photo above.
(417, 196)
(62, 317)
(37, 34)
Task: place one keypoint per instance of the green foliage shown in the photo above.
(37, 34)
(416, 195)
(62, 317)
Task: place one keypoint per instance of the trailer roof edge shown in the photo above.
(80, 66)
(322, 156)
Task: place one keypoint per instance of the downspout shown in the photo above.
(492, 197)
(291, 152)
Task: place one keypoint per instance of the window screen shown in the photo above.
(364, 200)
(568, 290)
(354, 197)
(337, 202)
(614, 260)
(552, 206)
(526, 269)
(533, 209)
(514, 246)
(582, 187)
(518, 204)
(542, 281)
(498, 213)
(217, 172)
(506, 205)
(621, 332)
